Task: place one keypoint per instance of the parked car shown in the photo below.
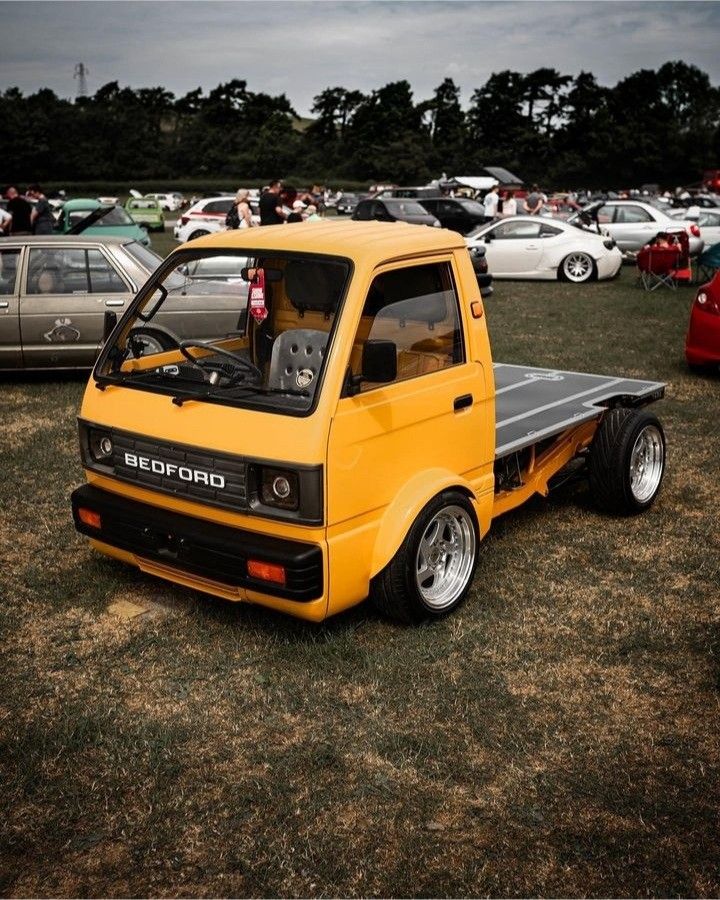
(539, 248)
(55, 291)
(345, 205)
(416, 193)
(707, 219)
(206, 216)
(393, 210)
(632, 223)
(146, 211)
(170, 202)
(114, 222)
(702, 344)
(457, 214)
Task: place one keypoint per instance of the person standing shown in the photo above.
(534, 202)
(19, 210)
(41, 217)
(509, 205)
(271, 209)
(490, 202)
(240, 215)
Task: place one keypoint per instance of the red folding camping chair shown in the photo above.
(658, 265)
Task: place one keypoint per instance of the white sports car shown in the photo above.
(536, 247)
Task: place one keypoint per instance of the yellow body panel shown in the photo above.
(386, 452)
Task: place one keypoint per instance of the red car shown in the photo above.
(702, 344)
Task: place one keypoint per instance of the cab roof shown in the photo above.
(377, 240)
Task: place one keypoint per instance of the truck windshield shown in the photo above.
(224, 327)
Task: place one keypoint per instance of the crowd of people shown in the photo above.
(21, 216)
(277, 205)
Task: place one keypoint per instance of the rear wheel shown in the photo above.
(431, 573)
(199, 233)
(577, 267)
(627, 461)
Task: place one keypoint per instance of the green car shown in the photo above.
(146, 211)
(103, 221)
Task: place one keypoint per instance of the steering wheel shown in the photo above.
(206, 345)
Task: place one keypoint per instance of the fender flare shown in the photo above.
(405, 508)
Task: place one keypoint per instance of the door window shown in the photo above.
(8, 270)
(417, 309)
(72, 271)
(517, 230)
(629, 215)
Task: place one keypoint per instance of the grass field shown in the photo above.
(557, 736)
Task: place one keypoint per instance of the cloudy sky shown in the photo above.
(298, 47)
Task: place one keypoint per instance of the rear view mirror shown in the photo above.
(379, 361)
(248, 274)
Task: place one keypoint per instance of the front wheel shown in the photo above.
(198, 234)
(577, 267)
(627, 461)
(431, 573)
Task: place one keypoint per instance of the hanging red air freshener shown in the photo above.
(258, 310)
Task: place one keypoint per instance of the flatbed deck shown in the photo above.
(532, 404)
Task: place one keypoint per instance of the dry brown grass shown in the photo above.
(556, 736)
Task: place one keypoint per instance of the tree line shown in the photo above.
(559, 130)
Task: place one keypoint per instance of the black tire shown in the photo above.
(627, 461)
(154, 339)
(197, 234)
(401, 592)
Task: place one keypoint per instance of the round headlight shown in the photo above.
(702, 297)
(101, 445)
(281, 487)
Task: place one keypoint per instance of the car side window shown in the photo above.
(103, 277)
(629, 215)
(604, 215)
(518, 230)
(549, 230)
(417, 309)
(447, 207)
(218, 206)
(71, 271)
(9, 260)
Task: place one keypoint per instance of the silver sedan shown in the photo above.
(633, 223)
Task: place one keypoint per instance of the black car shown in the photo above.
(390, 209)
(346, 204)
(456, 213)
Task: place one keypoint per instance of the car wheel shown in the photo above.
(627, 461)
(199, 233)
(146, 340)
(577, 267)
(431, 573)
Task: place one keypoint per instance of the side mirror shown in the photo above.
(489, 237)
(379, 361)
(109, 322)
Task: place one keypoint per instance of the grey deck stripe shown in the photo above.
(561, 402)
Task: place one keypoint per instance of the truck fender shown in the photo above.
(405, 508)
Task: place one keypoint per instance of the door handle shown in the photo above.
(4, 304)
(462, 402)
(114, 303)
(531, 246)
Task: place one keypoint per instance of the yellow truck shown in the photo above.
(348, 436)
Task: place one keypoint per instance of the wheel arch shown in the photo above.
(398, 517)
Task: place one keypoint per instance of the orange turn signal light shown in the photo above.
(266, 571)
(89, 517)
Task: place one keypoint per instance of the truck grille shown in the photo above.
(216, 478)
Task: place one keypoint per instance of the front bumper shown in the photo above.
(216, 553)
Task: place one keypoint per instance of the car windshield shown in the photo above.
(116, 216)
(406, 207)
(227, 327)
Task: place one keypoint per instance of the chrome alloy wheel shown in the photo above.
(445, 557)
(578, 267)
(646, 464)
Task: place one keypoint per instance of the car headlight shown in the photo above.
(100, 445)
(287, 493)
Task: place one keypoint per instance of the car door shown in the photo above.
(10, 347)
(514, 247)
(65, 295)
(632, 227)
(709, 222)
(432, 417)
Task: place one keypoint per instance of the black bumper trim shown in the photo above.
(215, 552)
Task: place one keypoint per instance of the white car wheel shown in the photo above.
(577, 267)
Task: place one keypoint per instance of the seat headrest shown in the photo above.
(314, 286)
